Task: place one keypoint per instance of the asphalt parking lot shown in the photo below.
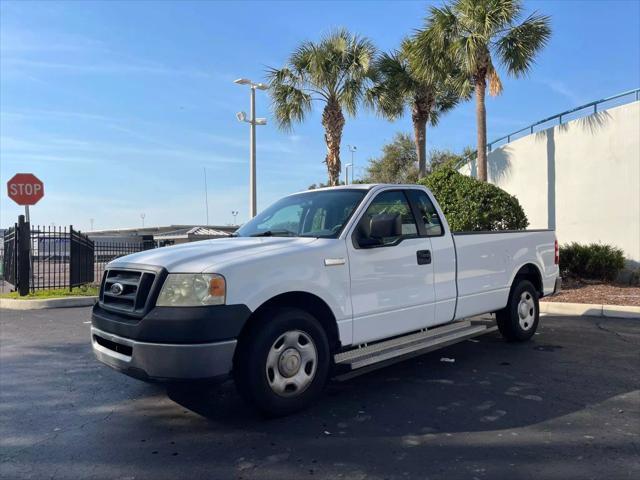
(564, 406)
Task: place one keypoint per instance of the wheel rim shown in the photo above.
(526, 311)
(291, 363)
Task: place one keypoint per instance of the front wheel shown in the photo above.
(518, 321)
(283, 363)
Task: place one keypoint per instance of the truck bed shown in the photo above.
(486, 262)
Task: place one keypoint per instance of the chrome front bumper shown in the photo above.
(162, 361)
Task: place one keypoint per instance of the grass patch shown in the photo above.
(83, 291)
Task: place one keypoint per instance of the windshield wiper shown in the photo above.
(275, 233)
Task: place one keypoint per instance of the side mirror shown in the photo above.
(379, 227)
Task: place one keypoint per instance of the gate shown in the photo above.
(61, 257)
(80, 259)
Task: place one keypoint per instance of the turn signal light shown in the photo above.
(556, 260)
(217, 287)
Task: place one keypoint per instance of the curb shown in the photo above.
(42, 303)
(592, 310)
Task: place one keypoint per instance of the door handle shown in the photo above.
(424, 257)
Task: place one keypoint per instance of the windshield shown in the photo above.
(319, 214)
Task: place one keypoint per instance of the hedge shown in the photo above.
(593, 261)
(472, 205)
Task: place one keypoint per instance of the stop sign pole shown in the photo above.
(25, 189)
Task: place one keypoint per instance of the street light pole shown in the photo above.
(346, 173)
(253, 202)
(253, 121)
(352, 149)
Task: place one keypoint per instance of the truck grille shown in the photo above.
(127, 291)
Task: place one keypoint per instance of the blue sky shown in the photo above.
(118, 106)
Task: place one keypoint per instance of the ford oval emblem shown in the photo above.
(116, 289)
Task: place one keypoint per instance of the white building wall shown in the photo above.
(581, 178)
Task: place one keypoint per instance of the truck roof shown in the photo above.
(364, 186)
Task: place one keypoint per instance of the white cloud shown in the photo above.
(563, 89)
(105, 67)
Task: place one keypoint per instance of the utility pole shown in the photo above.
(142, 216)
(253, 121)
(206, 194)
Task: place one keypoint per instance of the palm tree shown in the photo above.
(417, 78)
(477, 33)
(335, 71)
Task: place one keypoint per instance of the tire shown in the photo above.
(519, 320)
(283, 362)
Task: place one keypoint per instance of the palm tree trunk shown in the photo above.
(420, 138)
(419, 116)
(481, 120)
(333, 123)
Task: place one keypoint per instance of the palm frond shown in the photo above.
(290, 103)
(495, 84)
(487, 17)
(337, 68)
(518, 47)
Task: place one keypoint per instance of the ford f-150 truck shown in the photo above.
(325, 282)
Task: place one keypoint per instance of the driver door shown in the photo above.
(392, 288)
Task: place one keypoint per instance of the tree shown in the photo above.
(417, 78)
(478, 33)
(398, 163)
(447, 158)
(335, 71)
(472, 205)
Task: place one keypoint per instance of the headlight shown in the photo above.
(192, 290)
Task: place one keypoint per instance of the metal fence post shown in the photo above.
(24, 264)
(71, 258)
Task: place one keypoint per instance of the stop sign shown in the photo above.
(25, 189)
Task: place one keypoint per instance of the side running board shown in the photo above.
(377, 355)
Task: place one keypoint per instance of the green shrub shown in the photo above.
(472, 205)
(593, 261)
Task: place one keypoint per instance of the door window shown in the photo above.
(393, 202)
(427, 213)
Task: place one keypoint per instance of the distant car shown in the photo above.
(323, 282)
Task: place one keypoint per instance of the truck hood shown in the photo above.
(200, 256)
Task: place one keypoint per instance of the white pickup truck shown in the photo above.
(328, 282)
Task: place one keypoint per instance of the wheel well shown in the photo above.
(532, 273)
(304, 301)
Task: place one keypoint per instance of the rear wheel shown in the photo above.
(283, 362)
(518, 321)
